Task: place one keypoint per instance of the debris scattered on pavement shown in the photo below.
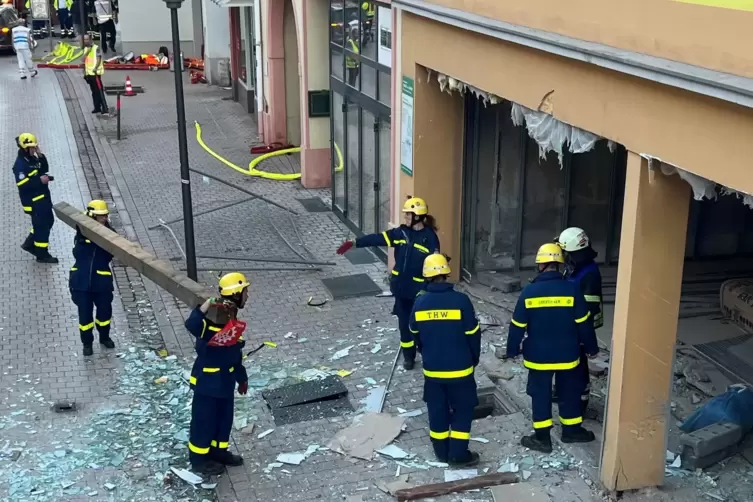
(412, 413)
(366, 434)
(458, 474)
(265, 433)
(187, 476)
(297, 458)
(394, 452)
(392, 487)
(341, 353)
(439, 489)
(480, 440)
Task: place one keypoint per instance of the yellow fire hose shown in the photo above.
(252, 171)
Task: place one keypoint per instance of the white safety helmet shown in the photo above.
(573, 239)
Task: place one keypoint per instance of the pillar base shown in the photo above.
(316, 167)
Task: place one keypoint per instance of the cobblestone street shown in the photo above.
(131, 423)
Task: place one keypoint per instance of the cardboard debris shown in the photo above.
(366, 434)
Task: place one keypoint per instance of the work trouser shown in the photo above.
(87, 301)
(569, 387)
(25, 63)
(585, 376)
(211, 422)
(98, 93)
(402, 309)
(66, 23)
(450, 404)
(42, 219)
(353, 76)
(105, 29)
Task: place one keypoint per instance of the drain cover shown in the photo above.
(360, 256)
(312, 411)
(351, 286)
(64, 407)
(305, 392)
(314, 205)
(308, 401)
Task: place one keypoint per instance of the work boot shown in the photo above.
(537, 442)
(208, 468)
(48, 258)
(28, 246)
(24, 77)
(472, 458)
(224, 457)
(95, 111)
(108, 343)
(34, 73)
(88, 350)
(577, 435)
(409, 364)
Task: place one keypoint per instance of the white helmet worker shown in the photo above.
(573, 239)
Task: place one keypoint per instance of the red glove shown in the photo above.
(345, 246)
(243, 388)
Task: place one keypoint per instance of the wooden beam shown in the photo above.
(439, 489)
(158, 271)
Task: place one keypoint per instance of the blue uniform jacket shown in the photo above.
(27, 171)
(588, 278)
(554, 313)
(91, 272)
(411, 248)
(216, 370)
(445, 325)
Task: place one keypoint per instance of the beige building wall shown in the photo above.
(712, 37)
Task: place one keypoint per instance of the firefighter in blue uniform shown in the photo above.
(444, 324)
(216, 372)
(581, 268)
(555, 315)
(413, 242)
(91, 283)
(32, 179)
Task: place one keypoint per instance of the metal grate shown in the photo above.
(351, 286)
(722, 353)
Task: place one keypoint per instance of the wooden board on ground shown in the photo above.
(463, 485)
(131, 254)
(519, 492)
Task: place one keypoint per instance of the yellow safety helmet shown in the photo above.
(27, 140)
(416, 205)
(550, 253)
(436, 264)
(233, 283)
(97, 208)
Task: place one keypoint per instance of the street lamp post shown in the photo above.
(185, 175)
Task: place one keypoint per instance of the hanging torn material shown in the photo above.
(702, 187)
(553, 135)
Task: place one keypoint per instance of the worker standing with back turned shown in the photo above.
(555, 315)
(445, 325)
(413, 242)
(91, 283)
(215, 373)
(581, 268)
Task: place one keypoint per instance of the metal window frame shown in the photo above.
(381, 112)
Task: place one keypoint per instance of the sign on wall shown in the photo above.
(406, 133)
(723, 4)
(40, 9)
(384, 55)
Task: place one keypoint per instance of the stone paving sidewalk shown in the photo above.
(118, 442)
(145, 173)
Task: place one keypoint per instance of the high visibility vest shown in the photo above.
(103, 9)
(349, 61)
(369, 8)
(68, 4)
(90, 63)
(27, 5)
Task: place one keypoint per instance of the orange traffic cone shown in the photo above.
(128, 87)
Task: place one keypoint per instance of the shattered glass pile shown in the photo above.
(121, 451)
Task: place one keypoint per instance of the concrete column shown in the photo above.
(437, 160)
(649, 281)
